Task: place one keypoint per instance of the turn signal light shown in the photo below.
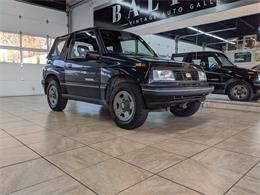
(139, 65)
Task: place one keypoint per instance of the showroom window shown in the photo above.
(22, 48)
(10, 56)
(34, 42)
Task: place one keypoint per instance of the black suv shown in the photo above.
(119, 69)
(239, 84)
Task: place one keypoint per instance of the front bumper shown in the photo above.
(158, 97)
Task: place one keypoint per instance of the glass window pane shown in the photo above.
(11, 56)
(128, 47)
(34, 42)
(9, 39)
(84, 42)
(31, 57)
(51, 41)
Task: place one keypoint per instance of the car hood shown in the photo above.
(152, 61)
(239, 70)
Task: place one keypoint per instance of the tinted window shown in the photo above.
(83, 43)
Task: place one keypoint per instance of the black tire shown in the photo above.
(240, 91)
(190, 109)
(60, 103)
(256, 98)
(133, 105)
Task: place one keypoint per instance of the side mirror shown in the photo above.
(93, 55)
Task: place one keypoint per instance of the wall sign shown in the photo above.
(129, 13)
(243, 57)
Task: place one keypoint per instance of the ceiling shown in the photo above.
(53, 4)
(228, 29)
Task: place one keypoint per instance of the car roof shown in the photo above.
(200, 52)
(91, 28)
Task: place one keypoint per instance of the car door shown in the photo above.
(214, 72)
(82, 75)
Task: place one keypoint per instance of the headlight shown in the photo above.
(163, 75)
(202, 76)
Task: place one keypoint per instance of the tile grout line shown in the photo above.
(34, 185)
(197, 154)
(147, 145)
(153, 174)
(54, 165)
(245, 174)
(151, 146)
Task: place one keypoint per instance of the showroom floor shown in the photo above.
(81, 151)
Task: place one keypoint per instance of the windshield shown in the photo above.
(125, 43)
(225, 61)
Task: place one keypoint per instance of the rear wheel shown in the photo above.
(240, 91)
(256, 98)
(185, 110)
(126, 106)
(54, 96)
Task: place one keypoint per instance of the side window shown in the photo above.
(199, 60)
(57, 47)
(83, 43)
(196, 61)
(179, 59)
(128, 46)
(212, 63)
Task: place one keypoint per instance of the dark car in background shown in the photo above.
(239, 84)
(120, 70)
(256, 67)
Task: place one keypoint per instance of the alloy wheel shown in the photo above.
(124, 106)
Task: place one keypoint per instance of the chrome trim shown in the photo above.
(80, 85)
(178, 90)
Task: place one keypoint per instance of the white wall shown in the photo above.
(231, 56)
(25, 80)
(166, 46)
(83, 17)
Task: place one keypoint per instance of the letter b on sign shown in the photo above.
(116, 13)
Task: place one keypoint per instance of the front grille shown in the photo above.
(186, 75)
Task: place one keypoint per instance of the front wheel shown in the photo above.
(126, 106)
(54, 96)
(185, 110)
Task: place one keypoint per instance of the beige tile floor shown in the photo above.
(81, 151)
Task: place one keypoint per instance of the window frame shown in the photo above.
(62, 54)
(72, 40)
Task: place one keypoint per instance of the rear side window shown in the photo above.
(179, 59)
(57, 48)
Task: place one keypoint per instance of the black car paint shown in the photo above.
(89, 80)
(220, 78)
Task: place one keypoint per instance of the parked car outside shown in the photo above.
(240, 84)
(119, 69)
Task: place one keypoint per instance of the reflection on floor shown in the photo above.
(81, 151)
(223, 97)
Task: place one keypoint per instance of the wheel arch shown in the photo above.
(48, 78)
(116, 79)
(233, 80)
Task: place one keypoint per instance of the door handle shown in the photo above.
(68, 65)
